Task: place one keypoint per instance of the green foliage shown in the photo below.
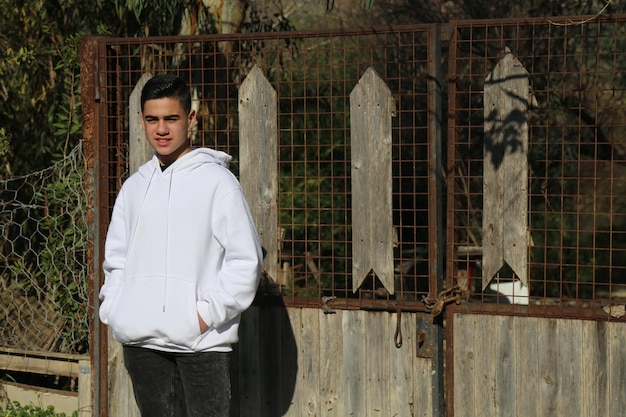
(157, 17)
(66, 118)
(40, 117)
(39, 80)
(40, 123)
(15, 409)
(5, 142)
(63, 258)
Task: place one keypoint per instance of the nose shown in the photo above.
(162, 129)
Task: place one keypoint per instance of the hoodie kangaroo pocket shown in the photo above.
(155, 310)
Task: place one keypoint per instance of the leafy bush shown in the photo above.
(15, 409)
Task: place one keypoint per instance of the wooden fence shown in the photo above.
(534, 366)
(75, 368)
(311, 362)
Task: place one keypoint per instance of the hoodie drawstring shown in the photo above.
(143, 200)
(167, 237)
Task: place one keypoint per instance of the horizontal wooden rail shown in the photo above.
(46, 363)
(49, 363)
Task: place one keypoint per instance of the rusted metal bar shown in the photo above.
(91, 122)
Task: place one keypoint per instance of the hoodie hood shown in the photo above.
(195, 157)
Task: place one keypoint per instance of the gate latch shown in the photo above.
(447, 296)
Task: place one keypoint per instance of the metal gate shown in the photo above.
(535, 186)
(574, 186)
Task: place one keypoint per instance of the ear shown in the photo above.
(191, 119)
(143, 123)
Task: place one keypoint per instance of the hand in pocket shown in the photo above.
(203, 326)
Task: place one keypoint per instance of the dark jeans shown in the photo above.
(179, 384)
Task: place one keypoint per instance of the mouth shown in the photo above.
(162, 142)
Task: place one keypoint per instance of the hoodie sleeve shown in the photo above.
(239, 277)
(115, 250)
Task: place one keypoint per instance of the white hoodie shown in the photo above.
(180, 243)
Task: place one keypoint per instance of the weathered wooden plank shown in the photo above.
(340, 377)
(493, 256)
(549, 383)
(372, 222)
(63, 401)
(422, 404)
(595, 369)
(43, 354)
(51, 364)
(85, 387)
(505, 169)
(39, 365)
(258, 127)
(378, 342)
(406, 396)
(309, 362)
(487, 343)
(570, 355)
(617, 369)
(139, 149)
(331, 364)
(505, 372)
(557, 367)
(464, 332)
(525, 357)
(354, 356)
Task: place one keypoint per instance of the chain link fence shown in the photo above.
(44, 262)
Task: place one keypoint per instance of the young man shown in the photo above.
(182, 262)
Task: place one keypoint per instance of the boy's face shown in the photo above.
(166, 126)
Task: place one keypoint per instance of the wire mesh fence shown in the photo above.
(576, 159)
(313, 74)
(576, 220)
(44, 263)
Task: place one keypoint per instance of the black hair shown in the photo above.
(167, 85)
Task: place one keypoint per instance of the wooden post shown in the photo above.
(258, 132)
(139, 150)
(85, 388)
(505, 187)
(372, 222)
